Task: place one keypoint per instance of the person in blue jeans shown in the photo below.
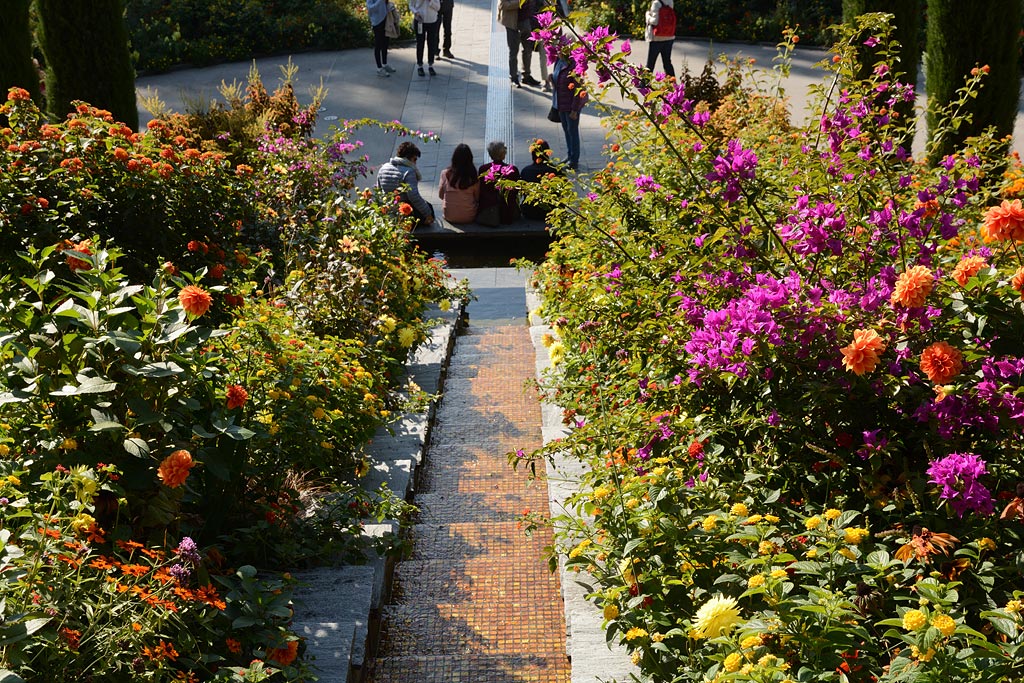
(569, 99)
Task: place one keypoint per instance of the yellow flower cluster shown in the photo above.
(914, 619)
(635, 633)
(945, 624)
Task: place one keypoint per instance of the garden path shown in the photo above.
(475, 601)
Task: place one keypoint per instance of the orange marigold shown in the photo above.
(285, 655)
(234, 647)
(405, 209)
(237, 396)
(913, 286)
(1004, 222)
(941, 362)
(173, 471)
(195, 300)
(862, 353)
(15, 94)
(968, 268)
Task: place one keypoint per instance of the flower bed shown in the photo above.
(193, 349)
(790, 360)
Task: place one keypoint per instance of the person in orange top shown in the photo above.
(459, 188)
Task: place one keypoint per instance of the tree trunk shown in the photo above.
(962, 36)
(16, 67)
(85, 43)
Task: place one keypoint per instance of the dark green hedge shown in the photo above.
(198, 32)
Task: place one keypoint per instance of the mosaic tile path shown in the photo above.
(475, 601)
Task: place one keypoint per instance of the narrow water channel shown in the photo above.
(494, 252)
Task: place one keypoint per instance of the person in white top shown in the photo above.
(426, 24)
(660, 38)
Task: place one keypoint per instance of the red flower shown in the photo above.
(217, 271)
(405, 209)
(237, 396)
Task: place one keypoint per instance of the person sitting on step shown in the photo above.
(459, 188)
(497, 206)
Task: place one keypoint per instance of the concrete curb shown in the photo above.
(336, 608)
(592, 658)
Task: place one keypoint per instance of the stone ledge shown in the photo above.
(336, 608)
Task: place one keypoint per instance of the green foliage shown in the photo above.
(86, 49)
(960, 42)
(221, 387)
(198, 32)
(16, 66)
(765, 495)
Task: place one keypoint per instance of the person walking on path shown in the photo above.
(459, 188)
(377, 11)
(497, 205)
(661, 34)
(568, 98)
(400, 175)
(426, 24)
(447, 9)
(517, 18)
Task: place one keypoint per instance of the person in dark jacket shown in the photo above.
(536, 172)
(400, 175)
(497, 205)
(568, 98)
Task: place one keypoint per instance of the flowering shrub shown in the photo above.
(789, 359)
(209, 390)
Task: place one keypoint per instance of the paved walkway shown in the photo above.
(476, 602)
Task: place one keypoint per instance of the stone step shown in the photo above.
(332, 607)
(460, 507)
(475, 668)
(454, 582)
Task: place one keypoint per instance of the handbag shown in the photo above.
(392, 23)
(554, 116)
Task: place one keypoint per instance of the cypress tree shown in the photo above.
(906, 23)
(961, 36)
(85, 43)
(16, 67)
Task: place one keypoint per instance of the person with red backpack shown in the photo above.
(661, 34)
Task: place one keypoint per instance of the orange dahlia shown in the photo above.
(405, 209)
(1017, 282)
(968, 268)
(862, 353)
(173, 471)
(1004, 222)
(913, 286)
(237, 396)
(285, 655)
(195, 300)
(941, 362)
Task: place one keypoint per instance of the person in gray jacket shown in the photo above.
(400, 175)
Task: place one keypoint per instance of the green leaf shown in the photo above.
(136, 447)
(243, 622)
(21, 630)
(8, 676)
(162, 369)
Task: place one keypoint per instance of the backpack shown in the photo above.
(666, 26)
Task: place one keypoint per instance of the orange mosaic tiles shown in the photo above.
(475, 600)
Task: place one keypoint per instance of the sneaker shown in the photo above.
(430, 70)
(419, 71)
(390, 69)
(530, 80)
(547, 86)
(448, 54)
(515, 81)
(382, 73)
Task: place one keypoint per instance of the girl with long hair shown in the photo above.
(459, 188)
